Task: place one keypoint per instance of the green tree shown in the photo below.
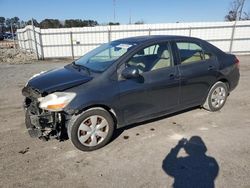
(90, 23)
(14, 22)
(141, 22)
(113, 23)
(50, 23)
(73, 23)
(2, 20)
(7, 24)
(23, 24)
(29, 22)
(80, 23)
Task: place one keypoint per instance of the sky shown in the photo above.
(149, 11)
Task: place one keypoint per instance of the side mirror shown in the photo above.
(130, 72)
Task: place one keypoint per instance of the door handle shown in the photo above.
(211, 67)
(171, 76)
(174, 76)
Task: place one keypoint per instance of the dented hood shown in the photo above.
(58, 80)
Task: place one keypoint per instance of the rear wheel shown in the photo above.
(91, 130)
(217, 97)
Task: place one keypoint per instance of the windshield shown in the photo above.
(102, 57)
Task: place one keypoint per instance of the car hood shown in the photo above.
(58, 80)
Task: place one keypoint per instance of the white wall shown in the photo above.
(57, 42)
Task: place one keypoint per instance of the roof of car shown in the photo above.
(143, 39)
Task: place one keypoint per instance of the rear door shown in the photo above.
(198, 70)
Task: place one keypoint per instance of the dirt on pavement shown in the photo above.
(137, 155)
(16, 56)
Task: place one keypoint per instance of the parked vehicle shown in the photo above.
(1, 36)
(9, 35)
(127, 81)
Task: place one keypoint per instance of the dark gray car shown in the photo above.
(127, 81)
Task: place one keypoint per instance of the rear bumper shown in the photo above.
(235, 78)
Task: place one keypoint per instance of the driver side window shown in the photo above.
(151, 58)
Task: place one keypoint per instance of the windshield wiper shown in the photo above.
(80, 67)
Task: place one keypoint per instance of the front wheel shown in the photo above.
(91, 130)
(217, 97)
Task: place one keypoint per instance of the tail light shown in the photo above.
(237, 62)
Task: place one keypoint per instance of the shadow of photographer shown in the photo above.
(194, 170)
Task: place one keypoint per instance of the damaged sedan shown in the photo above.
(124, 82)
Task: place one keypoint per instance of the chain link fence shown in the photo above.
(233, 37)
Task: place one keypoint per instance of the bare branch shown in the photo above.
(235, 11)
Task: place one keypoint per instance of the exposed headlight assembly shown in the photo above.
(56, 101)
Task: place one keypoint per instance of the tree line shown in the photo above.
(8, 24)
(15, 23)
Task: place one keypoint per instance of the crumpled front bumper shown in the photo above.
(40, 124)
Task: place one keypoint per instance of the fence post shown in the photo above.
(232, 37)
(29, 40)
(41, 45)
(24, 42)
(149, 31)
(109, 39)
(17, 44)
(34, 33)
(72, 45)
(109, 35)
(190, 32)
(12, 33)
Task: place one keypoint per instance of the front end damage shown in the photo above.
(42, 123)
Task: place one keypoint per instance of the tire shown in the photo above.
(216, 97)
(91, 129)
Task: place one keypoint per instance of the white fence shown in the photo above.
(231, 37)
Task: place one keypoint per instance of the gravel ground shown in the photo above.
(135, 157)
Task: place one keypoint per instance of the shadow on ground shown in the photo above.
(194, 170)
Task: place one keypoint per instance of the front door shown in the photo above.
(156, 91)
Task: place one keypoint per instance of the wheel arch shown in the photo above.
(224, 80)
(103, 107)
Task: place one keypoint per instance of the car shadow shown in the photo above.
(194, 170)
(119, 131)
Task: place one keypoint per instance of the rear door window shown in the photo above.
(190, 52)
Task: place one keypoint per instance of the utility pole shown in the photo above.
(114, 4)
(130, 19)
